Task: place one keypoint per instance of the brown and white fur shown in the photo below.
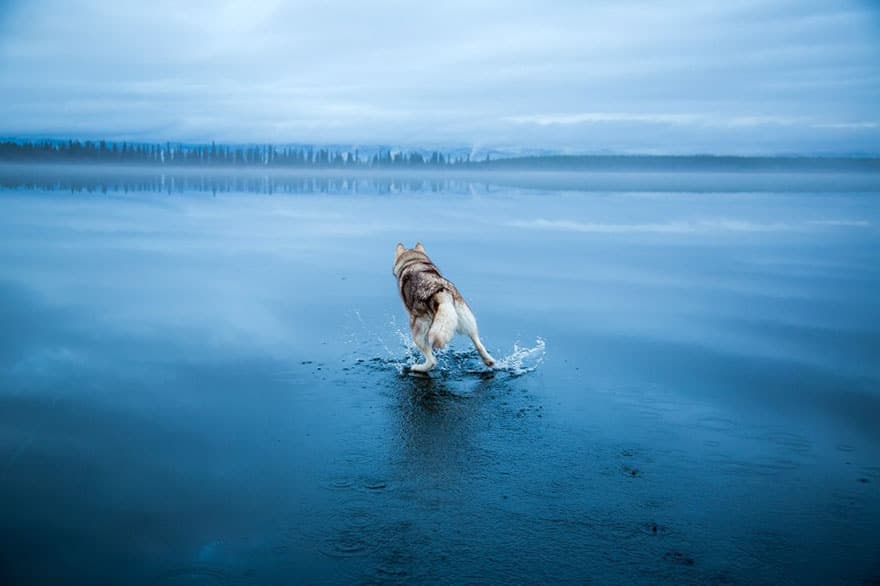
(436, 309)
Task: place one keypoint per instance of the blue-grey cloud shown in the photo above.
(783, 76)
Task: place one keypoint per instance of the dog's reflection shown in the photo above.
(438, 422)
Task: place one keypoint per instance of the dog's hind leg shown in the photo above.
(429, 362)
(420, 328)
(467, 324)
(484, 354)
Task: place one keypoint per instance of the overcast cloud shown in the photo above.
(652, 77)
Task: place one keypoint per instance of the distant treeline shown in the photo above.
(176, 154)
(314, 157)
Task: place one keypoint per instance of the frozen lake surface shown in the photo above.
(205, 382)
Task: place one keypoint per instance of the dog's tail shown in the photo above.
(445, 320)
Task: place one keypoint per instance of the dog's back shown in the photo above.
(419, 281)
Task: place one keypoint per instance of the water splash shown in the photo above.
(403, 354)
(523, 359)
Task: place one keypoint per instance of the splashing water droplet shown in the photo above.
(523, 359)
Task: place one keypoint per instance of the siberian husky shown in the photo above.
(436, 309)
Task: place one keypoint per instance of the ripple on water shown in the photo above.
(789, 441)
(846, 504)
(871, 472)
(360, 517)
(353, 541)
(679, 558)
(356, 458)
(369, 484)
(762, 547)
(357, 513)
(771, 465)
(375, 484)
(653, 528)
(759, 466)
(389, 574)
(193, 575)
(338, 483)
(716, 423)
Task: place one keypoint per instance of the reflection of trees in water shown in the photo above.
(77, 180)
(477, 178)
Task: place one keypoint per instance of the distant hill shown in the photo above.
(660, 163)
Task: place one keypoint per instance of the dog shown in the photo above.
(436, 309)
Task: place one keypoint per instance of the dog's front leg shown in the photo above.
(420, 328)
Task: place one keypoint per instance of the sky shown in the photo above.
(673, 77)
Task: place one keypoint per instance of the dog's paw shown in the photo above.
(490, 362)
